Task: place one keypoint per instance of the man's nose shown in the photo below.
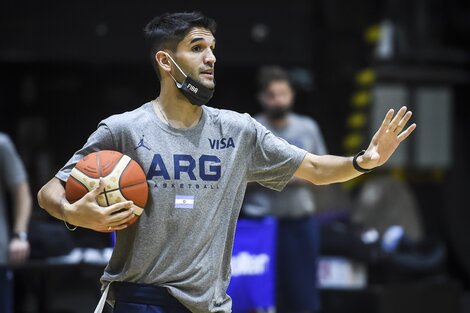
(210, 57)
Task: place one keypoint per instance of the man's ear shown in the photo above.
(163, 61)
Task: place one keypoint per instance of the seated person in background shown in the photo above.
(298, 235)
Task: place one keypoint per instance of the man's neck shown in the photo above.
(176, 110)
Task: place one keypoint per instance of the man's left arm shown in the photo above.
(327, 169)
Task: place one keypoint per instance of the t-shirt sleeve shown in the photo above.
(101, 139)
(274, 161)
(11, 166)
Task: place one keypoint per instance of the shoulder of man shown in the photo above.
(129, 119)
(229, 117)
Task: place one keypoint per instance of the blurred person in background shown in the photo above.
(298, 231)
(14, 249)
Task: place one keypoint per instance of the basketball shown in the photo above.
(123, 179)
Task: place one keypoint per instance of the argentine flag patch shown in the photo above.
(184, 201)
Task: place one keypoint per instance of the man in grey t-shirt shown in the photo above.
(176, 258)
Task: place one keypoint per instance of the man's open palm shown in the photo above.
(388, 138)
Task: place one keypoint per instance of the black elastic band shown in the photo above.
(356, 166)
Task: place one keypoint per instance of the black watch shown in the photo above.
(356, 166)
(22, 235)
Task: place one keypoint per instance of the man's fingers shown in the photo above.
(97, 190)
(12, 257)
(403, 122)
(118, 227)
(388, 118)
(117, 207)
(122, 222)
(122, 226)
(394, 123)
(113, 228)
(386, 121)
(21, 256)
(18, 252)
(121, 217)
(15, 256)
(25, 255)
(406, 132)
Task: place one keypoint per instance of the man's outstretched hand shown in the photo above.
(387, 139)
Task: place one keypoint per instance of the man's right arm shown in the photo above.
(85, 212)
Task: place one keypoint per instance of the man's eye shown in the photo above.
(196, 49)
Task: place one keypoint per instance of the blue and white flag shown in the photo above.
(184, 201)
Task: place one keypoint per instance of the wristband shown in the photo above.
(21, 235)
(356, 166)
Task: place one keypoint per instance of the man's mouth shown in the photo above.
(208, 73)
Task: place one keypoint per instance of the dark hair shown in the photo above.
(268, 74)
(167, 30)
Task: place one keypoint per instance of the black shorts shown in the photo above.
(139, 298)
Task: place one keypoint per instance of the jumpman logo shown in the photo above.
(141, 144)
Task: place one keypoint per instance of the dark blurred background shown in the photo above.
(65, 65)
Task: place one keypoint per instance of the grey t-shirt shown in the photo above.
(12, 172)
(187, 247)
(297, 199)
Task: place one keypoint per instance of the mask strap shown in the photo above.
(179, 68)
(177, 84)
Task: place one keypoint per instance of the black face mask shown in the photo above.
(194, 91)
(276, 113)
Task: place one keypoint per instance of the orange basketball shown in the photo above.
(123, 178)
